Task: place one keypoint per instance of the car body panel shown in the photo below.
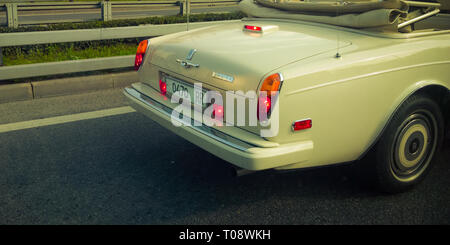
(350, 99)
(365, 90)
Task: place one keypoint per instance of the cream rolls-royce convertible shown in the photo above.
(300, 84)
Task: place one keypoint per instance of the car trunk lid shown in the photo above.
(230, 58)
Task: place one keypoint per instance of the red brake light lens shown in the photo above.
(217, 111)
(271, 84)
(138, 61)
(142, 48)
(301, 125)
(252, 28)
(265, 101)
(162, 87)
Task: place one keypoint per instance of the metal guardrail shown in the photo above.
(12, 7)
(73, 66)
(43, 37)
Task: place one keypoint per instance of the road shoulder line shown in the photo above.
(64, 119)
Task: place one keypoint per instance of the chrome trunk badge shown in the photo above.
(186, 63)
(191, 54)
(223, 77)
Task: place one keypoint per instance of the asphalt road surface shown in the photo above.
(123, 168)
(30, 17)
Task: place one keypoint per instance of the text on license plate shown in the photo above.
(186, 90)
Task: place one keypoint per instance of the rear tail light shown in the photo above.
(140, 53)
(162, 87)
(269, 88)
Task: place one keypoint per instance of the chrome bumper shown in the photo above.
(238, 152)
(208, 131)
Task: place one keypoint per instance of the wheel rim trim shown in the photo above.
(414, 145)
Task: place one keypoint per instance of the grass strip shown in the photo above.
(53, 53)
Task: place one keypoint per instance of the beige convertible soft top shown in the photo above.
(333, 6)
(376, 14)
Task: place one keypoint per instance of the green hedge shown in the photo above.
(24, 51)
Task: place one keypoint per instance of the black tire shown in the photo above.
(406, 150)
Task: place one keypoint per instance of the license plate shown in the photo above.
(186, 90)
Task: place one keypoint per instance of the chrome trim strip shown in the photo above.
(281, 81)
(418, 18)
(367, 75)
(422, 4)
(281, 76)
(167, 112)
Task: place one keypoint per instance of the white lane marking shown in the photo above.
(64, 119)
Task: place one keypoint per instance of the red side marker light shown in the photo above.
(302, 124)
(252, 28)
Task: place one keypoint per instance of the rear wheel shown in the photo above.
(405, 152)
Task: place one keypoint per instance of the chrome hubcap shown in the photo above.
(414, 145)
